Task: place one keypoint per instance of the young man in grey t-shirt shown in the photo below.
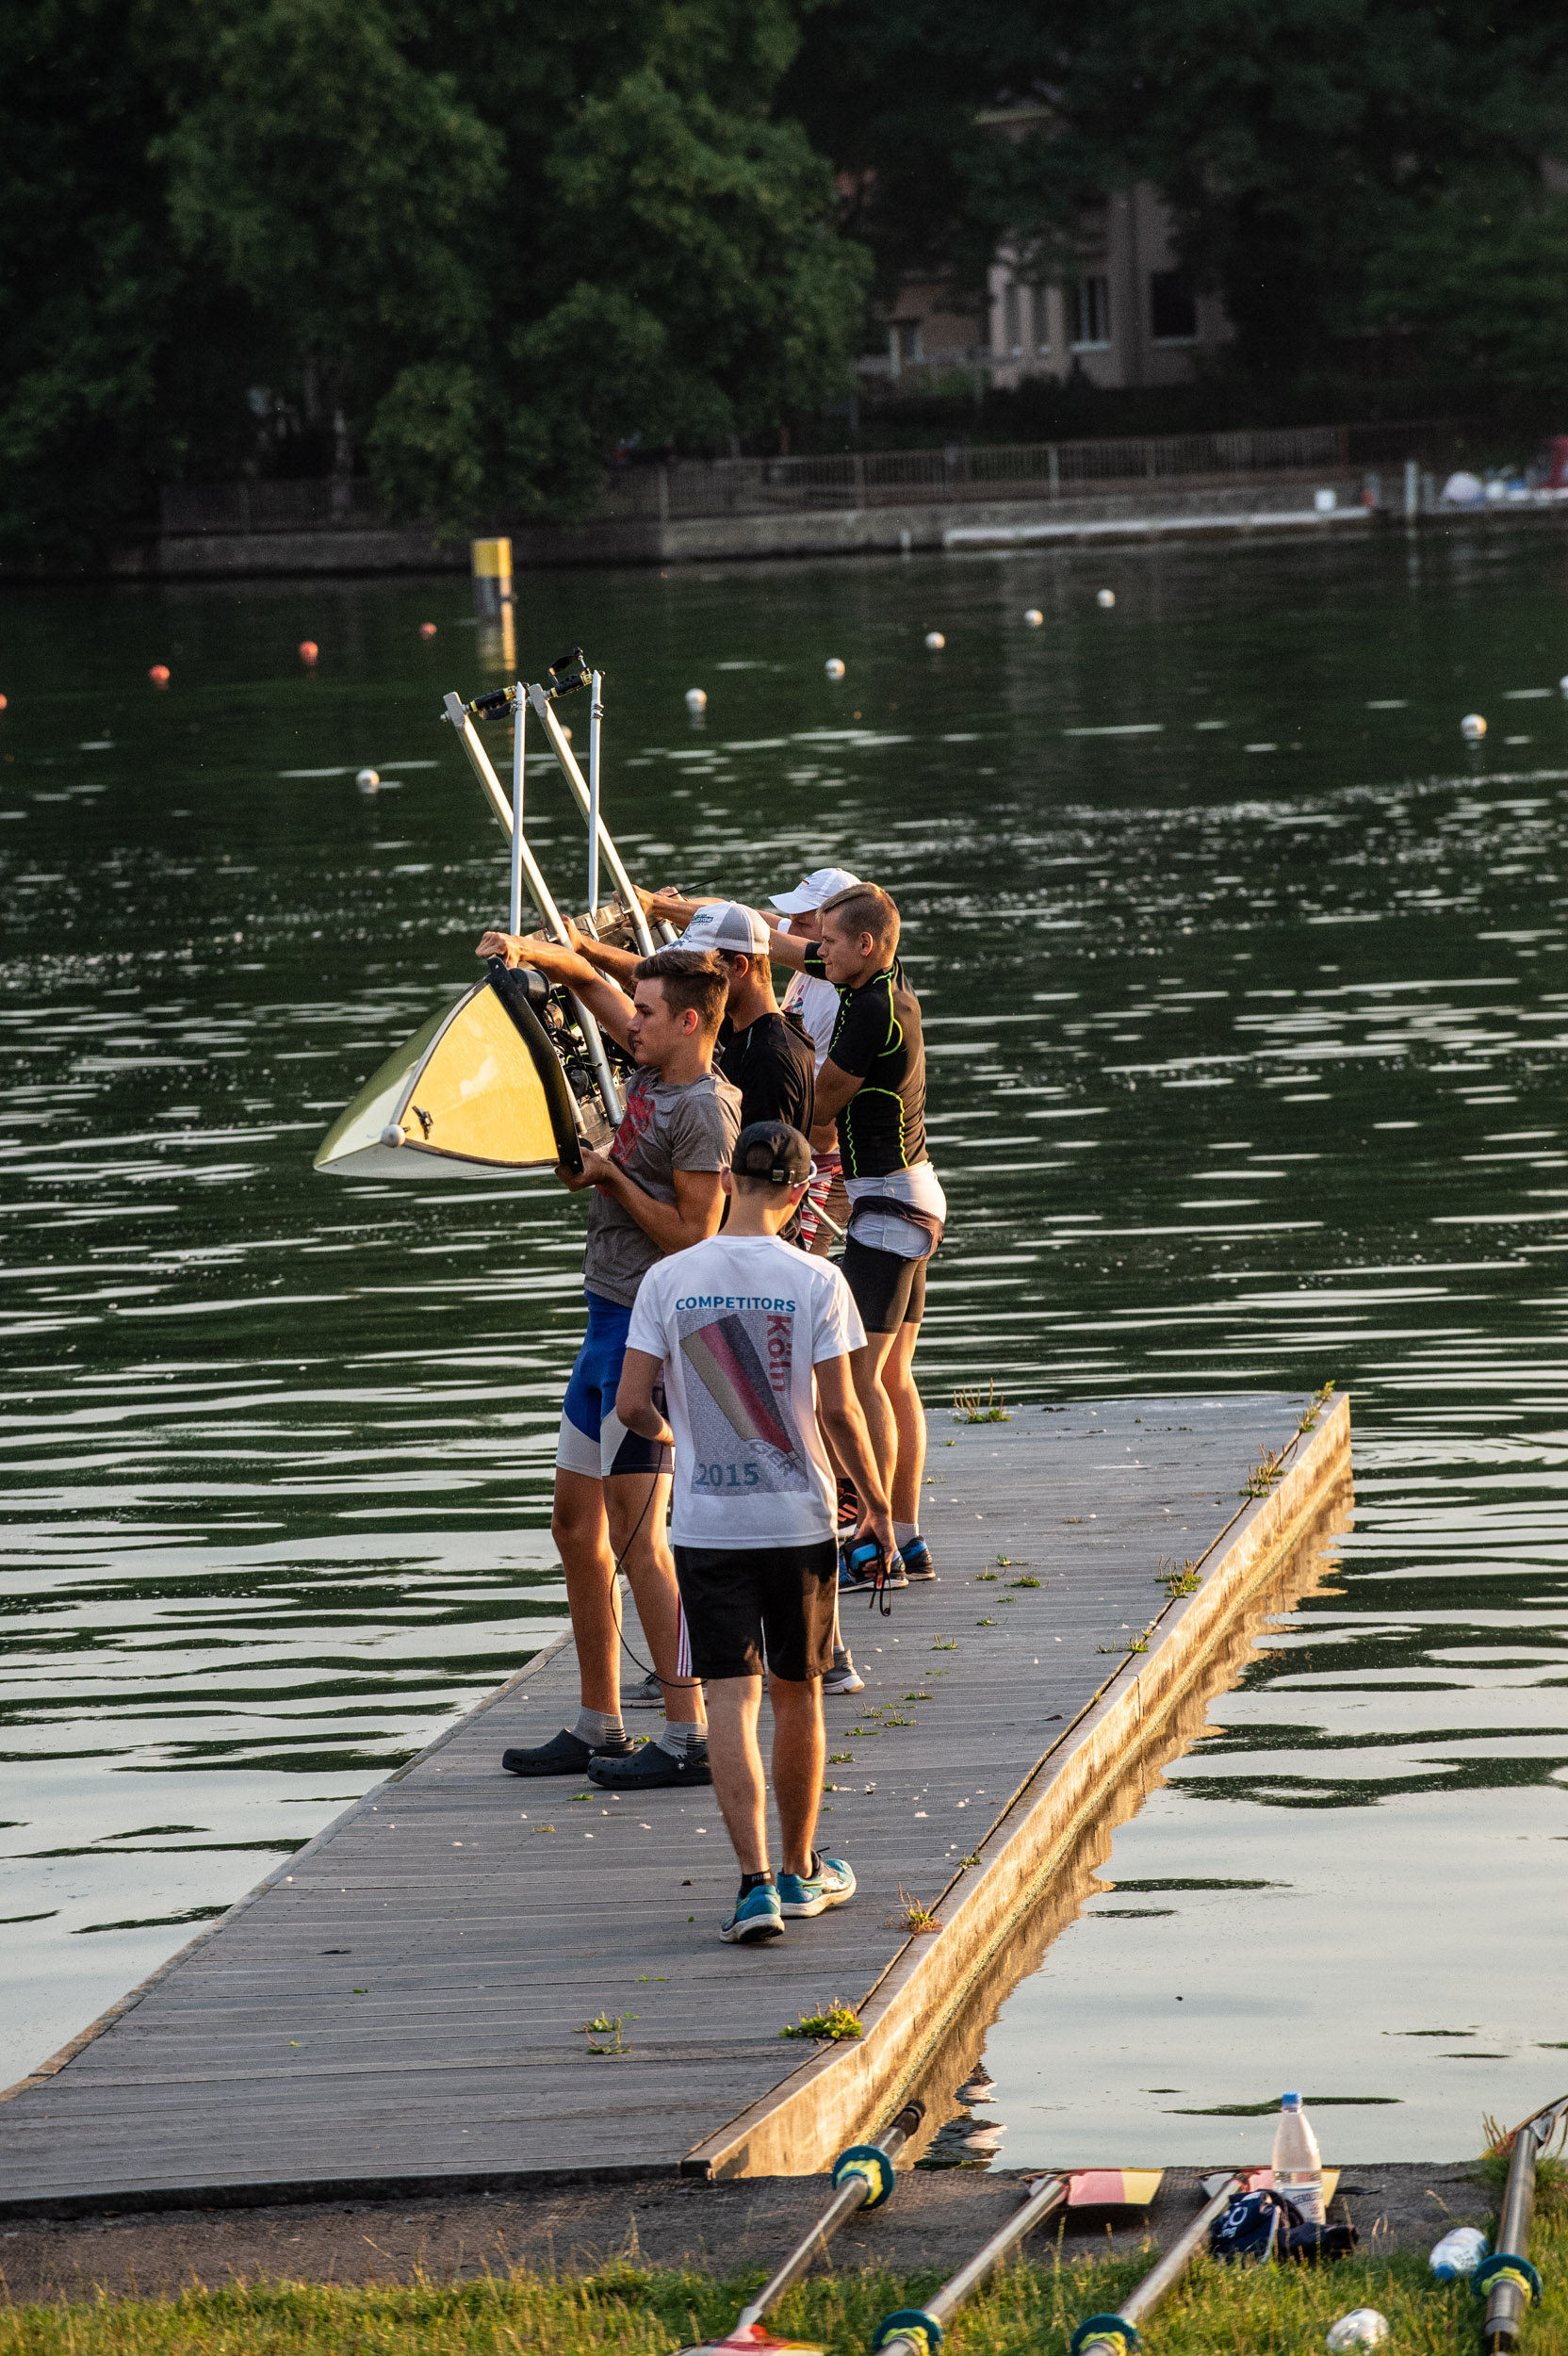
(656, 1191)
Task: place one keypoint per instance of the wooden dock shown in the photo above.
(403, 2005)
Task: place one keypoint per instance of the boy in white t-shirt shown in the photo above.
(751, 1340)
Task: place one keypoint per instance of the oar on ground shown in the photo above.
(863, 2179)
(1507, 2281)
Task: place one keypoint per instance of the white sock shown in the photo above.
(905, 1533)
(597, 1725)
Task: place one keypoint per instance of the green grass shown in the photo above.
(624, 2310)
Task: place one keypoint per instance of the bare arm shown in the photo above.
(835, 1087)
(843, 1420)
(669, 906)
(783, 948)
(691, 1218)
(608, 1003)
(634, 1400)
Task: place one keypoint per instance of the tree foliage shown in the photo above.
(1301, 143)
(481, 246)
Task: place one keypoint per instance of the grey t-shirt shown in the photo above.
(665, 1129)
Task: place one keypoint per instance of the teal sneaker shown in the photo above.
(758, 1917)
(830, 1883)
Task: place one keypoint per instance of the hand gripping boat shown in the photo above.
(516, 1077)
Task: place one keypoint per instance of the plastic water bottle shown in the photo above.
(1297, 2167)
(1459, 2253)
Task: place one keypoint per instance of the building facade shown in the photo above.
(1130, 319)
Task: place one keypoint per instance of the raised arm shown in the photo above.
(605, 1001)
(783, 948)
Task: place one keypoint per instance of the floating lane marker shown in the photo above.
(1126, 727)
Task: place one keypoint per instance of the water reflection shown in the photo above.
(1245, 1034)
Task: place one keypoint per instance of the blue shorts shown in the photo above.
(594, 1440)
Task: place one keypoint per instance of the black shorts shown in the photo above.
(889, 1291)
(747, 1604)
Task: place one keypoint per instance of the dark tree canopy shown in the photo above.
(480, 245)
(474, 249)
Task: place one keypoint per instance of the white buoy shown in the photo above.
(696, 699)
(1563, 687)
(368, 780)
(1035, 619)
(934, 640)
(1104, 597)
(834, 667)
(1472, 727)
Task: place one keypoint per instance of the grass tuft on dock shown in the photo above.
(625, 2310)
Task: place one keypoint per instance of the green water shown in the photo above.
(1245, 1033)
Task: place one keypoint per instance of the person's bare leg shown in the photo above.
(898, 1381)
(866, 1371)
(799, 1755)
(736, 1764)
(637, 1535)
(577, 1526)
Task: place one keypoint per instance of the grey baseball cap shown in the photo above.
(727, 924)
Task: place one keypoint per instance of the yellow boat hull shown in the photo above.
(477, 1092)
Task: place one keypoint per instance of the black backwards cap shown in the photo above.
(772, 1150)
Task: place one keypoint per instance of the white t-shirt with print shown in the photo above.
(740, 1322)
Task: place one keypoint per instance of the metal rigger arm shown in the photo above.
(524, 867)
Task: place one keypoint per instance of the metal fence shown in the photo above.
(759, 487)
(690, 489)
(334, 504)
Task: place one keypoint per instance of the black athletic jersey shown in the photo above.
(877, 1037)
(773, 1065)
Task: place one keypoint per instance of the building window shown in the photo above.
(1091, 311)
(1012, 320)
(1172, 307)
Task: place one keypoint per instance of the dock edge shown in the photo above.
(801, 2125)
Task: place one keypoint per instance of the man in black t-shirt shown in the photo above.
(872, 1083)
(764, 1052)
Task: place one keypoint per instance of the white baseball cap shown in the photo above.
(727, 925)
(818, 886)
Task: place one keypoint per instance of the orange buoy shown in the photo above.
(159, 674)
(426, 630)
(2, 703)
(308, 650)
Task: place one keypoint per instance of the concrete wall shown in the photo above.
(812, 531)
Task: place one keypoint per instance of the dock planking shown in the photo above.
(405, 2003)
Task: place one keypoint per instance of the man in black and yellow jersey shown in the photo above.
(873, 1085)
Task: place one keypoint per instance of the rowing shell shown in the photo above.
(478, 1092)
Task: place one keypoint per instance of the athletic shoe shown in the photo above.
(647, 1693)
(844, 1676)
(830, 1883)
(650, 1768)
(756, 1919)
(565, 1754)
(849, 1507)
(917, 1560)
(858, 1570)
